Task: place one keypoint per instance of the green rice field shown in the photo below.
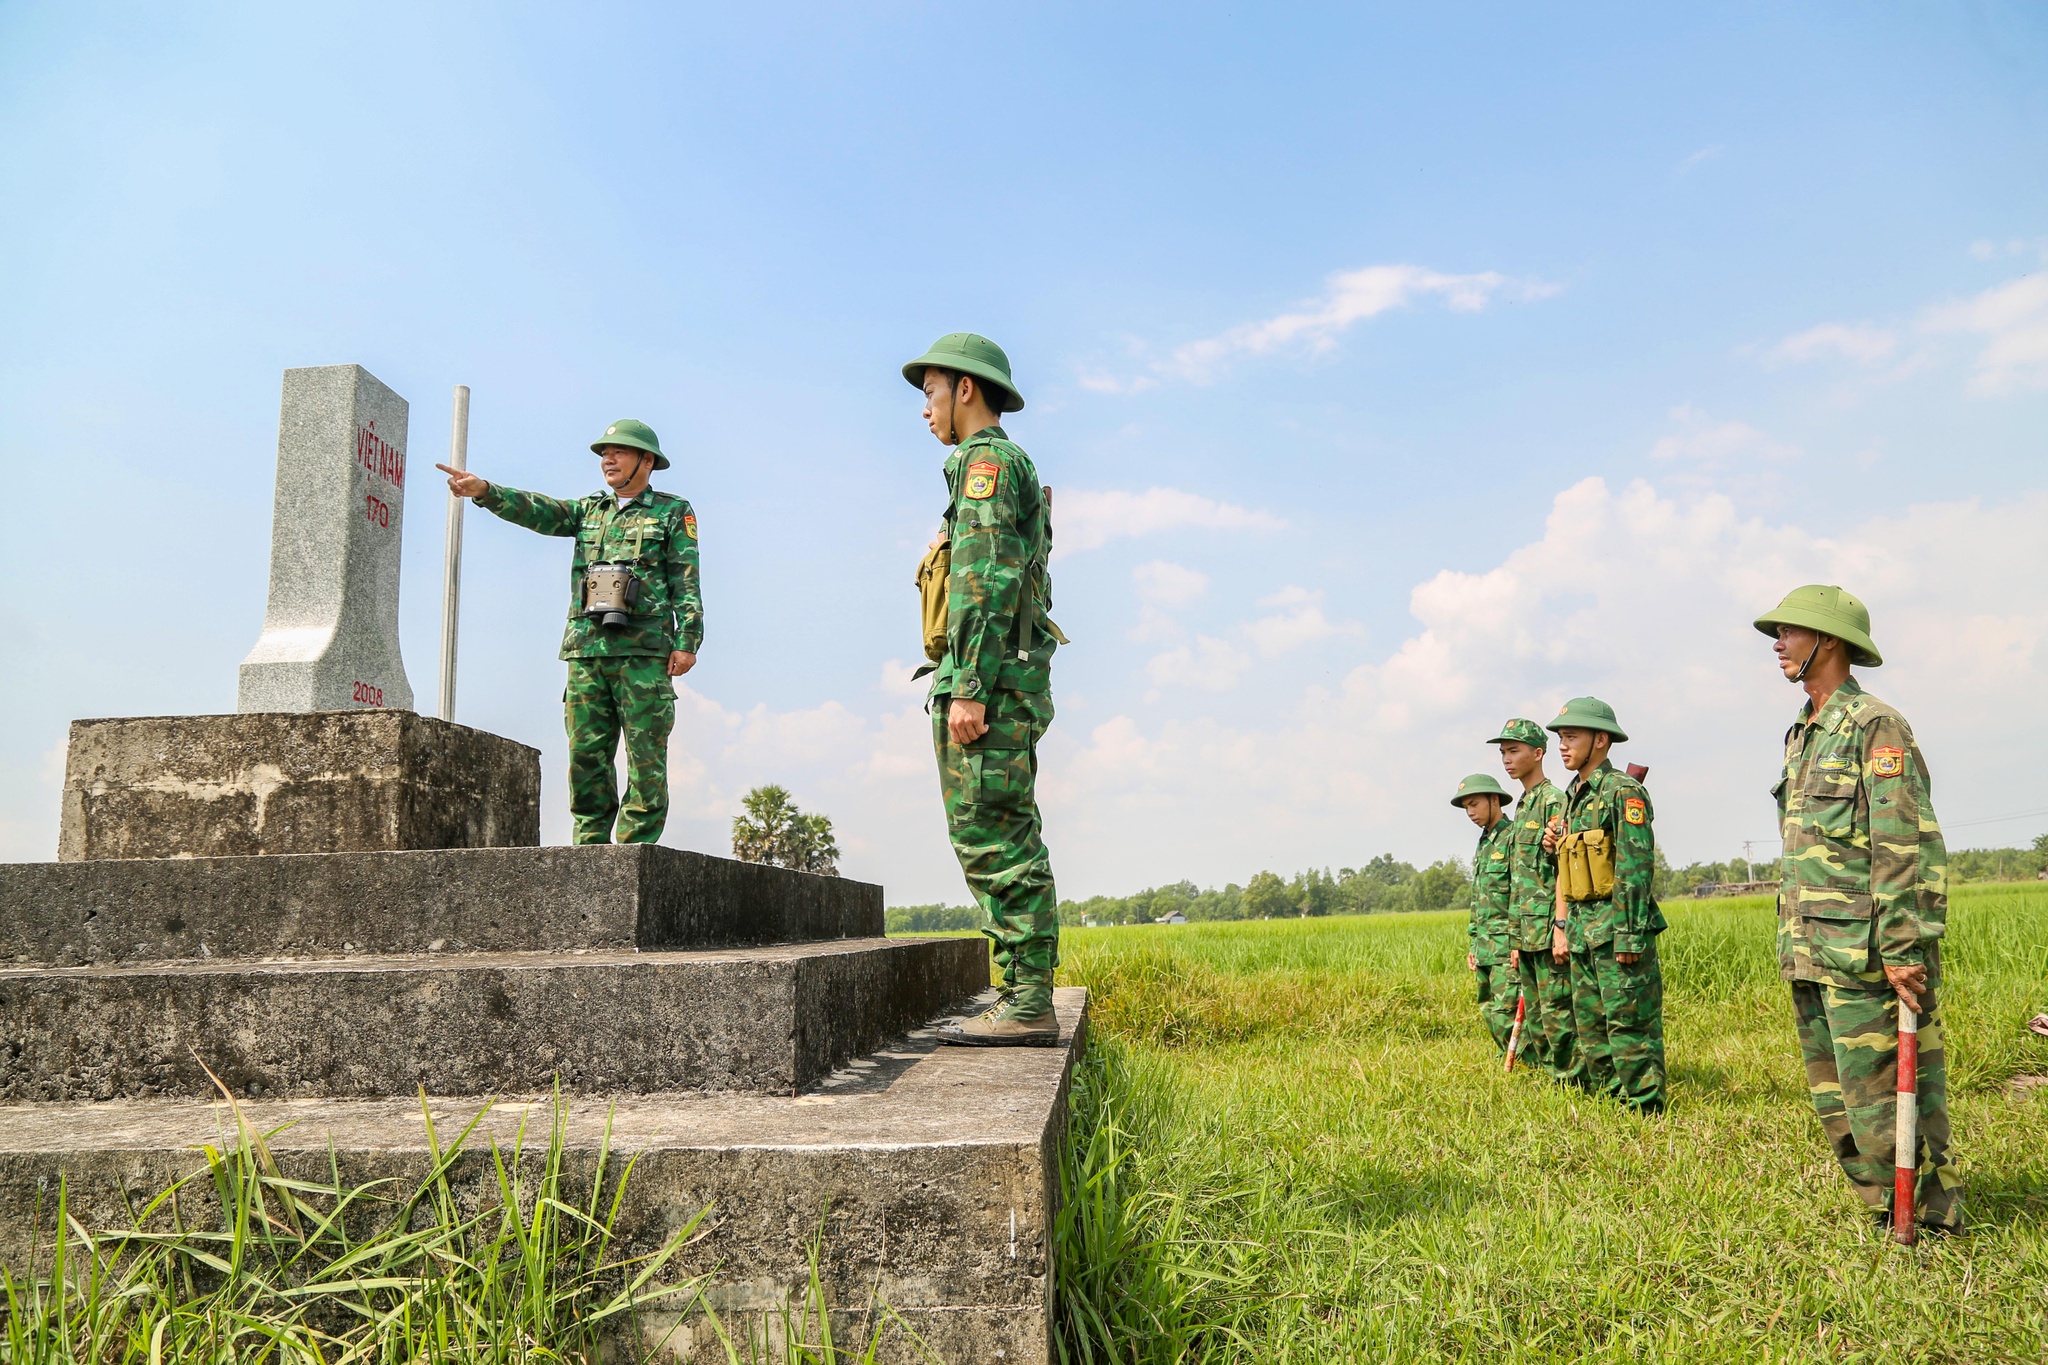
(1294, 1143)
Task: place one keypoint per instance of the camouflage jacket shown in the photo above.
(1534, 871)
(1489, 929)
(1610, 799)
(999, 589)
(1866, 871)
(656, 533)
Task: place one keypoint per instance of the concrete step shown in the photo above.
(600, 896)
(932, 1171)
(760, 1019)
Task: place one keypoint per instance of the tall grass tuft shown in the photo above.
(1120, 1286)
(284, 1271)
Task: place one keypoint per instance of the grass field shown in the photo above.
(1297, 1145)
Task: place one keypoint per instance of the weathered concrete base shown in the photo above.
(313, 905)
(474, 1023)
(931, 1171)
(318, 782)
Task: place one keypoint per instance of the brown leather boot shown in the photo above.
(1023, 1018)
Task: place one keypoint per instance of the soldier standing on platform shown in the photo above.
(1481, 798)
(1863, 906)
(991, 697)
(1547, 1029)
(1607, 857)
(636, 620)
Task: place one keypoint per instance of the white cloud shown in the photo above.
(1862, 343)
(1352, 296)
(1167, 584)
(1700, 157)
(1300, 623)
(1212, 665)
(1631, 594)
(1084, 520)
(1702, 442)
(2013, 320)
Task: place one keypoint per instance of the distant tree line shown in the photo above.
(1385, 886)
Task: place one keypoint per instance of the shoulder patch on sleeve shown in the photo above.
(1635, 810)
(690, 525)
(1887, 761)
(982, 477)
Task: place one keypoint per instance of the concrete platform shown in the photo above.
(599, 896)
(769, 1019)
(316, 782)
(932, 1169)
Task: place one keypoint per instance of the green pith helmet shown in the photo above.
(1588, 713)
(638, 435)
(1522, 732)
(1479, 784)
(969, 353)
(1830, 611)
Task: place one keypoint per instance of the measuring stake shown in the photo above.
(451, 569)
(1515, 1033)
(1906, 1154)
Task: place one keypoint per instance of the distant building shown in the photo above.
(1734, 888)
(1176, 917)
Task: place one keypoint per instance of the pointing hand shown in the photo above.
(462, 483)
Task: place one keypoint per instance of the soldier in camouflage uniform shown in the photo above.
(1617, 987)
(1864, 904)
(621, 675)
(1481, 798)
(991, 696)
(1548, 1034)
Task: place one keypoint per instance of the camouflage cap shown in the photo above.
(1830, 611)
(1588, 713)
(969, 353)
(1521, 731)
(1478, 784)
(635, 435)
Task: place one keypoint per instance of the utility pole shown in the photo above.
(451, 568)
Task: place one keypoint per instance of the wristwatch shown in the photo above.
(1557, 924)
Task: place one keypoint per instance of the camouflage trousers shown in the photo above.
(1618, 1015)
(989, 788)
(1850, 1041)
(1549, 1038)
(605, 698)
(1497, 991)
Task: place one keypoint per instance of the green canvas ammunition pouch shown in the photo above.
(1585, 866)
(932, 572)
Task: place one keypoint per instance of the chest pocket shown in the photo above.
(646, 544)
(1827, 803)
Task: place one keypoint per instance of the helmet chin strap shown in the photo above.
(1811, 654)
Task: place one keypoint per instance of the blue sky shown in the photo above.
(1398, 369)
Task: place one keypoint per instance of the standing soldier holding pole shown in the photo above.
(1544, 984)
(1481, 798)
(991, 697)
(1606, 860)
(636, 619)
(1863, 907)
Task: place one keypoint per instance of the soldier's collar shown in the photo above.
(1832, 714)
(987, 434)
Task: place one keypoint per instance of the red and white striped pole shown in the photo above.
(1515, 1033)
(1906, 1156)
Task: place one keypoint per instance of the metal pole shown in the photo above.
(451, 570)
